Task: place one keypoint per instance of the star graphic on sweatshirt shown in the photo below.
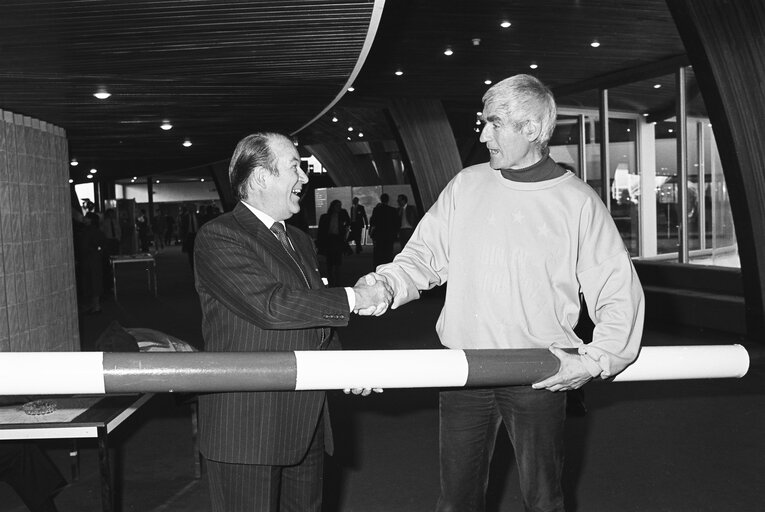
(544, 230)
(518, 216)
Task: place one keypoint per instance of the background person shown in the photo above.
(359, 221)
(333, 226)
(383, 228)
(408, 219)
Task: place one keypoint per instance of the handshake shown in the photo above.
(373, 295)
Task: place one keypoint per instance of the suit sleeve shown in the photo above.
(254, 284)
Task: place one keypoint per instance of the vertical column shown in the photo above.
(429, 143)
(37, 286)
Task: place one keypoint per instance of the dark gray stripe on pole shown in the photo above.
(509, 367)
(199, 371)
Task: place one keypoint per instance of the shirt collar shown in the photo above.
(264, 217)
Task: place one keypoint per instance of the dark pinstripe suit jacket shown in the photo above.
(255, 299)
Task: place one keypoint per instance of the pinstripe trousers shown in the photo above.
(262, 488)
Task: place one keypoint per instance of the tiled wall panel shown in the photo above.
(38, 300)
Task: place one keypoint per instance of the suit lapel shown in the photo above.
(266, 238)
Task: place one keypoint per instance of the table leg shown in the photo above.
(114, 282)
(74, 460)
(154, 266)
(107, 490)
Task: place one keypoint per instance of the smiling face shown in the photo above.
(281, 191)
(509, 146)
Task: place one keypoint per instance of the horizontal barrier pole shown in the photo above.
(52, 373)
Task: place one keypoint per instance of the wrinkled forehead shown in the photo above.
(284, 150)
(493, 111)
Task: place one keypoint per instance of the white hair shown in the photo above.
(523, 98)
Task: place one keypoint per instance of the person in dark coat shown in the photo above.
(359, 221)
(333, 226)
(383, 228)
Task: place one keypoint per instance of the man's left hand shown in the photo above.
(362, 391)
(572, 373)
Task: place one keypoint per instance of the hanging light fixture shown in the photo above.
(166, 125)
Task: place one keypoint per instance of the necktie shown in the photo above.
(281, 234)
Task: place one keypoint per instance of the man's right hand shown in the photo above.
(373, 295)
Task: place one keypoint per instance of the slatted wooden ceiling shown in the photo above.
(554, 34)
(221, 69)
(216, 69)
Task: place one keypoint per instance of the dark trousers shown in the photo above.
(354, 235)
(31, 473)
(469, 421)
(262, 488)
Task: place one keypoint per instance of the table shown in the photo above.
(77, 417)
(146, 258)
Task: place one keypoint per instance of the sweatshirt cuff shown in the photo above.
(351, 297)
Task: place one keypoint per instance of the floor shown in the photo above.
(689, 446)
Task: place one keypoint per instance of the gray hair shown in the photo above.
(523, 98)
(251, 152)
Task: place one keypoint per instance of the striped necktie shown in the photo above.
(281, 234)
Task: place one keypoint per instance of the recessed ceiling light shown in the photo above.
(505, 24)
(93, 171)
(448, 52)
(351, 89)
(102, 94)
(348, 138)
(594, 43)
(157, 181)
(201, 179)
(186, 143)
(74, 162)
(670, 130)
(657, 86)
(398, 72)
(533, 65)
(89, 176)
(334, 119)
(645, 114)
(478, 122)
(477, 130)
(361, 134)
(350, 128)
(71, 180)
(135, 178)
(487, 81)
(479, 114)
(166, 125)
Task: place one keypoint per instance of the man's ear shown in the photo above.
(258, 179)
(532, 130)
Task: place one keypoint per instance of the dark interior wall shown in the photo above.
(38, 295)
(725, 41)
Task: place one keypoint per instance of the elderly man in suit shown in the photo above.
(260, 290)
